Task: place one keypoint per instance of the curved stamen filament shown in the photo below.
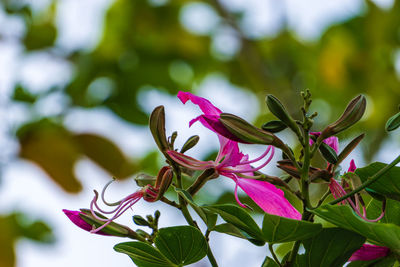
(103, 192)
(252, 169)
(259, 158)
(237, 197)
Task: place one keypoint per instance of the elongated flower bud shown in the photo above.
(191, 142)
(86, 221)
(274, 126)
(277, 108)
(246, 131)
(393, 123)
(157, 128)
(352, 114)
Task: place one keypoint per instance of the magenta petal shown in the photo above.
(206, 106)
(73, 215)
(352, 167)
(269, 198)
(369, 252)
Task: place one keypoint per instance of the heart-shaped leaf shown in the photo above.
(388, 184)
(278, 229)
(330, 247)
(385, 234)
(143, 255)
(182, 245)
(239, 218)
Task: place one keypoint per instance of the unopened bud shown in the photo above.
(277, 108)
(142, 233)
(191, 142)
(113, 229)
(247, 132)
(352, 114)
(164, 179)
(274, 126)
(139, 220)
(143, 179)
(328, 153)
(157, 128)
(393, 123)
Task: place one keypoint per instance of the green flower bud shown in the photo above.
(191, 142)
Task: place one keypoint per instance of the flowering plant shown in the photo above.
(354, 220)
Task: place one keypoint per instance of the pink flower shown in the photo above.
(231, 163)
(369, 252)
(330, 141)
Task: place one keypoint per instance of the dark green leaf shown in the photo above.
(381, 262)
(268, 262)
(278, 229)
(232, 230)
(330, 247)
(386, 234)
(143, 255)
(182, 245)
(239, 218)
(392, 211)
(387, 185)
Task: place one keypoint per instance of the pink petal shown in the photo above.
(213, 123)
(269, 198)
(332, 141)
(73, 215)
(369, 252)
(352, 166)
(206, 106)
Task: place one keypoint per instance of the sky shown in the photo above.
(25, 187)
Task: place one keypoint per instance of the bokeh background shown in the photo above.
(79, 78)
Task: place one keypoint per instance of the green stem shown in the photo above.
(371, 180)
(211, 257)
(304, 174)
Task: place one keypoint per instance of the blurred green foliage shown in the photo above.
(145, 45)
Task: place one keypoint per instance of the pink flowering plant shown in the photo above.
(355, 220)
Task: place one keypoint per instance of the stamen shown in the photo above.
(237, 197)
(259, 158)
(103, 192)
(252, 169)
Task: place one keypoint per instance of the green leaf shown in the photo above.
(385, 234)
(330, 247)
(278, 229)
(268, 262)
(230, 229)
(208, 217)
(239, 218)
(392, 211)
(143, 255)
(182, 245)
(387, 185)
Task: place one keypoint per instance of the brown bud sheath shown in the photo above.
(157, 128)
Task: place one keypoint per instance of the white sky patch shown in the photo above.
(39, 71)
(80, 23)
(134, 140)
(198, 18)
(309, 18)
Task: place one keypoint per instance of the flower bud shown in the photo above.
(393, 123)
(164, 180)
(247, 132)
(143, 179)
(328, 153)
(85, 220)
(191, 142)
(139, 220)
(157, 128)
(352, 114)
(274, 126)
(277, 108)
